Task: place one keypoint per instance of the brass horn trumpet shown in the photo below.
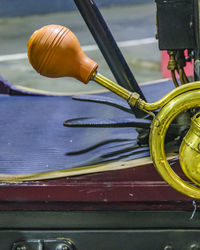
(54, 51)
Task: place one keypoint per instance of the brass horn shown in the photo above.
(186, 100)
(54, 51)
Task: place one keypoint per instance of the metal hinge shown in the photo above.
(43, 244)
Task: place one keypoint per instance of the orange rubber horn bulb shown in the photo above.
(54, 51)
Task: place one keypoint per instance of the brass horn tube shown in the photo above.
(173, 74)
(159, 128)
(174, 93)
(186, 80)
(180, 71)
(134, 99)
(130, 97)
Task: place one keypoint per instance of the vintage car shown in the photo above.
(128, 178)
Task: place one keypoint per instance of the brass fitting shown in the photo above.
(172, 65)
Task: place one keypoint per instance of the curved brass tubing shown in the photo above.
(134, 99)
(174, 93)
(54, 51)
(173, 75)
(185, 101)
(178, 100)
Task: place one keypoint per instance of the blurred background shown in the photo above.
(132, 23)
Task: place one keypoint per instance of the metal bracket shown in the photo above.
(43, 244)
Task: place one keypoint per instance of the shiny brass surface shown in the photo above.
(180, 71)
(174, 93)
(185, 101)
(133, 98)
(172, 64)
(130, 97)
(189, 155)
(177, 101)
(173, 74)
(176, 63)
(60, 55)
(182, 77)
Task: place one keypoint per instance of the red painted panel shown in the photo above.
(135, 188)
(166, 73)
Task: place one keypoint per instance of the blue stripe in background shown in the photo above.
(9, 8)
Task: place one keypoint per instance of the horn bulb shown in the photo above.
(54, 51)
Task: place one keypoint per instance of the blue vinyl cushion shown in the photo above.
(33, 138)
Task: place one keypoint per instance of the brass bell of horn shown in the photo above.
(185, 101)
(189, 155)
